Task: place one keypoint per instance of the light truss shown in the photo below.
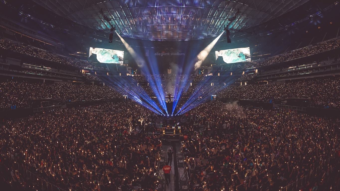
(170, 19)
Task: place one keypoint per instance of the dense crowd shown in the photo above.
(233, 148)
(40, 53)
(100, 147)
(104, 147)
(21, 94)
(302, 52)
(226, 147)
(321, 92)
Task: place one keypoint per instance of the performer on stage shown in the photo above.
(169, 97)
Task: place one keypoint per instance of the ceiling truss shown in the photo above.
(170, 19)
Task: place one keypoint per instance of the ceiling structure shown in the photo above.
(170, 19)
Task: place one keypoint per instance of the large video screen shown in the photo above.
(107, 56)
(231, 56)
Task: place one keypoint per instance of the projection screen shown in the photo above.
(236, 55)
(107, 56)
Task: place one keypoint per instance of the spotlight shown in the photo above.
(205, 52)
(113, 29)
(227, 31)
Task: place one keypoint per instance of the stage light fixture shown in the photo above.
(113, 29)
(227, 31)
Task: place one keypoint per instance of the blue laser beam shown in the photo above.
(182, 79)
(197, 63)
(127, 86)
(155, 85)
(199, 96)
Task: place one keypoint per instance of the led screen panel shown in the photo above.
(107, 56)
(236, 55)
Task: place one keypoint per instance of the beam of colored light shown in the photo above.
(187, 66)
(180, 85)
(205, 96)
(211, 90)
(133, 53)
(205, 52)
(134, 92)
(199, 60)
(194, 100)
(155, 85)
(197, 94)
(130, 86)
(184, 66)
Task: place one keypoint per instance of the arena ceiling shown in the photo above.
(170, 19)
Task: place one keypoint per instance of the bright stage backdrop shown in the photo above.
(107, 56)
(236, 55)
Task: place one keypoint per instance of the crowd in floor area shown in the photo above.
(226, 147)
(88, 148)
(233, 148)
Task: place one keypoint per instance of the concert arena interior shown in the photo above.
(169, 95)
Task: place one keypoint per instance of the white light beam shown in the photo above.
(205, 52)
